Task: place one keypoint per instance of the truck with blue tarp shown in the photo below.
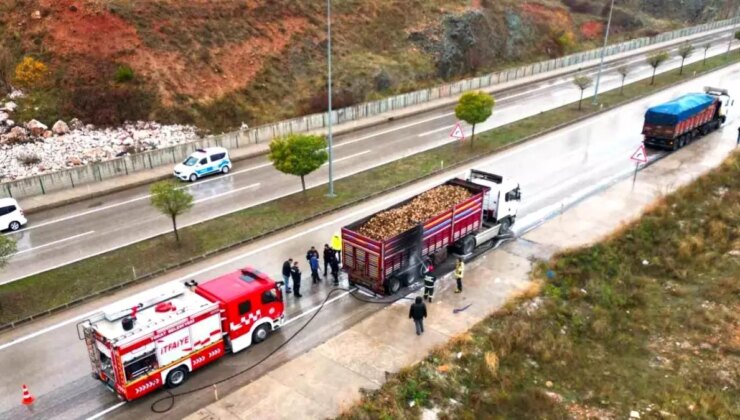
(676, 123)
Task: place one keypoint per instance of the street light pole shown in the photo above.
(734, 27)
(328, 61)
(603, 52)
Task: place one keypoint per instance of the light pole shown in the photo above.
(329, 135)
(603, 52)
(734, 26)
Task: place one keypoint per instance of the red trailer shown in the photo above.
(385, 266)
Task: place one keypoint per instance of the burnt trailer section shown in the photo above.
(384, 266)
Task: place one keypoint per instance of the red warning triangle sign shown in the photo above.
(457, 132)
(640, 154)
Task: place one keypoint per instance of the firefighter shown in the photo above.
(459, 272)
(334, 264)
(336, 245)
(328, 255)
(295, 272)
(429, 280)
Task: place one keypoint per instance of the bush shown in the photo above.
(124, 74)
(6, 69)
(29, 159)
(583, 6)
(30, 72)
(111, 105)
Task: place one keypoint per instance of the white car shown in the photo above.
(11, 215)
(202, 162)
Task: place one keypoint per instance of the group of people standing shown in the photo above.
(332, 260)
(418, 310)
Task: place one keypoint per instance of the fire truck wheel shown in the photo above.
(260, 334)
(177, 376)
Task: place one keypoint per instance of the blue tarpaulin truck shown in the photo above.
(677, 123)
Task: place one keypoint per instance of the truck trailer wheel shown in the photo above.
(392, 285)
(177, 376)
(467, 245)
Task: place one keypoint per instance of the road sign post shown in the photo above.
(457, 132)
(640, 156)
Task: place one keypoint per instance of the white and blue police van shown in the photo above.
(202, 162)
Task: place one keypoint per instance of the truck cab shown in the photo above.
(725, 102)
(501, 200)
(251, 306)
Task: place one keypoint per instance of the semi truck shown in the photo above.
(386, 265)
(676, 123)
(158, 337)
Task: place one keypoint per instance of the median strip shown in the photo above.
(58, 288)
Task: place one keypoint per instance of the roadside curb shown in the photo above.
(369, 122)
(450, 168)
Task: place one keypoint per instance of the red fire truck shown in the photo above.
(160, 336)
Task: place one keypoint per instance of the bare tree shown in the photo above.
(684, 51)
(583, 82)
(623, 71)
(706, 48)
(655, 60)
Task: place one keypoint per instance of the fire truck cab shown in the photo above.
(160, 336)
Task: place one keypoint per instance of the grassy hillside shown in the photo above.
(218, 64)
(646, 323)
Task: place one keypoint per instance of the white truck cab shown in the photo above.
(202, 162)
(501, 202)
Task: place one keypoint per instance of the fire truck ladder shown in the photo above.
(92, 352)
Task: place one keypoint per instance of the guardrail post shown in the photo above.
(41, 184)
(71, 181)
(7, 188)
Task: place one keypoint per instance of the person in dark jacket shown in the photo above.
(311, 252)
(328, 254)
(418, 312)
(334, 264)
(286, 274)
(314, 264)
(295, 272)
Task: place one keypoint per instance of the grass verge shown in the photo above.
(57, 288)
(646, 321)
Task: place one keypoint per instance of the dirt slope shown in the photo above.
(220, 63)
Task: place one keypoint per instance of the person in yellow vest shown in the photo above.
(336, 245)
(459, 272)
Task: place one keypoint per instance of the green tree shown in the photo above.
(623, 71)
(7, 249)
(737, 35)
(172, 201)
(298, 154)
(706, 48)
(655, 60)
(684, 51)
(474, 108)
(583, 82)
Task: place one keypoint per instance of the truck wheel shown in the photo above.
(392, 285)
(260, 334)
(505, 225)
(468, 244)
(177, 376)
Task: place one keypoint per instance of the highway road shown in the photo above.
(70, 233)
(555, 171)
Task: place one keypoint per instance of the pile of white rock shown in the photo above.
(32, 148)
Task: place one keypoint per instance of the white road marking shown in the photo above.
(54, 243)
(348, 157)
(211, 197)
(106, 411)
(401, 127)
(315, 308)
